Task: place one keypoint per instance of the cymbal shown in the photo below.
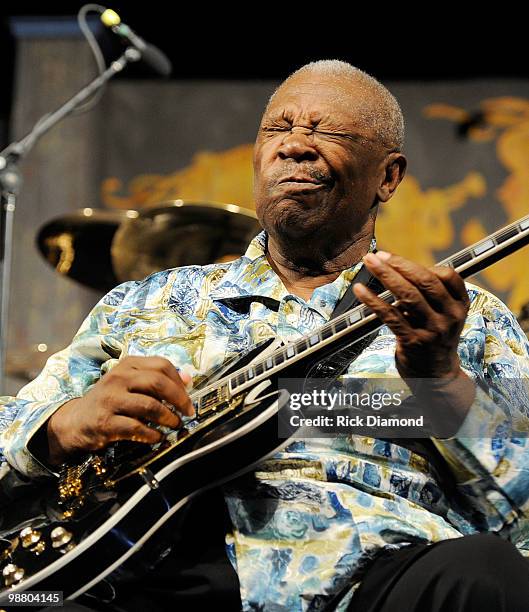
(78, 244)
(180, 233)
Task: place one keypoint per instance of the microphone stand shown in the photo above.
(11, 181)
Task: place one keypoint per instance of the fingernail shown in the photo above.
(372, 259)
(360, 290)
(383, 255)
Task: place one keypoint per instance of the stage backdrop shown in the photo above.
(149, 142)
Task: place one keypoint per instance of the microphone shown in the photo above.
(150, 54)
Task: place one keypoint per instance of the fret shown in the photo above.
(269, 363)
(251, 373)
(279, 358)
(240, 379)
(259, 369)
(506, 234)
(482, 247)
(340, 325)
(326, 332)
(461, 259)
(301, 345)
(291, 351)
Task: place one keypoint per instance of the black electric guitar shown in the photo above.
(96, 522)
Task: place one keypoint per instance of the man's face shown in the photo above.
(316, 168)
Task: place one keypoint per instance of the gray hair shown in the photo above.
(385, 118)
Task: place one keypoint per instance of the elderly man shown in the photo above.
(344, 523)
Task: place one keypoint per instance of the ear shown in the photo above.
(394, 170)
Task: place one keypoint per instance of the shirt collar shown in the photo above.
(251, 278)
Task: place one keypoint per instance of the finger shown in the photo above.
(408, 295)
(158, 385)
(453, 282)
(126, 428)
(426, 281)
(186, 379)
(144, 407)
(441, 285)
(385, 312)
(157, 364)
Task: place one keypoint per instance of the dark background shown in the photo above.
(428, 41)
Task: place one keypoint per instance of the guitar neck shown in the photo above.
(360, 321)
(484, 253)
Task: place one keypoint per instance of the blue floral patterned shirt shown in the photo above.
(304, 527)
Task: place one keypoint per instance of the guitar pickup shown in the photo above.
(212, 401)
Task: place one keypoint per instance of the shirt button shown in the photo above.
(291, 318)
(323, 303)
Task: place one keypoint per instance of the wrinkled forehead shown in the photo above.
(317, 95)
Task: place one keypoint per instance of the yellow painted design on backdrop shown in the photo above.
(417, 222)
(211, 177)
(506, 120)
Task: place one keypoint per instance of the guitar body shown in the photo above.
(118, 532)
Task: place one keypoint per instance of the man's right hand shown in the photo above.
(118, 406)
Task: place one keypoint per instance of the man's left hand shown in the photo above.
(427, 320)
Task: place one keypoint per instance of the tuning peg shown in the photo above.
(61, 537)
(12, 574)
(29, 537)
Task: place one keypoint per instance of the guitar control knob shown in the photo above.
(60, 537)
(39, 548)
(12, 574)
(29, 537)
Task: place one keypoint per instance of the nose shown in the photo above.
(298, 144)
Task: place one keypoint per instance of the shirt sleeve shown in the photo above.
(68, 374)
(489, 456)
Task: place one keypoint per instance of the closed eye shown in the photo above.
(342, 135)
(275, 129)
